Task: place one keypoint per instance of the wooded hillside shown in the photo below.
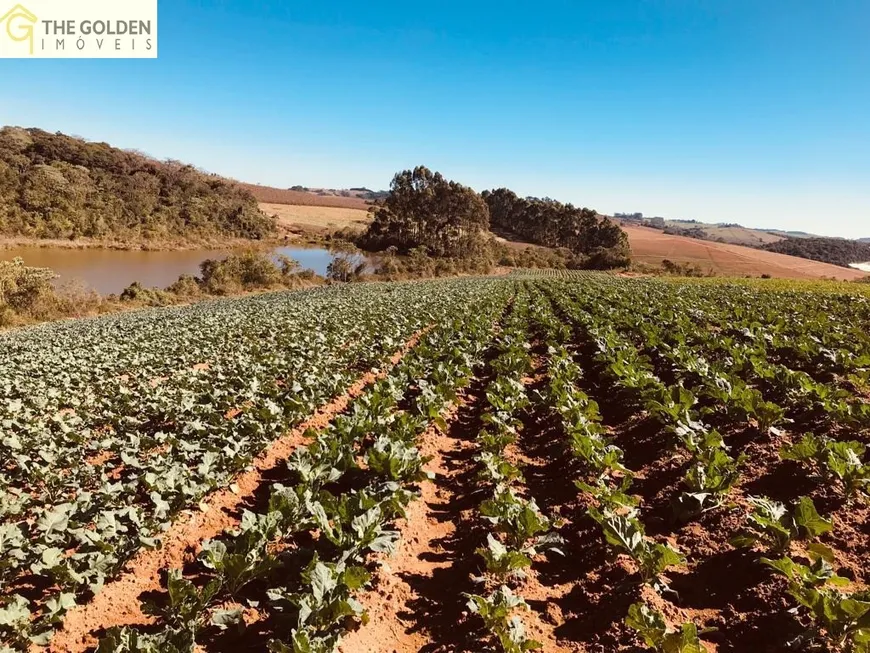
(837, 251)
(58, 186)
(553, 224)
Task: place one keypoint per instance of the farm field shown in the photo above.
(270, 195)
(741, 235)
(653, 246)
(554, 461)
(318, 217)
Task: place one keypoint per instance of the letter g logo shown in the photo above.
(19, 24)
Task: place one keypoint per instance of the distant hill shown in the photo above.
(734, 234)
(791, 234)
(58, 186)
(362, 193)
(653, 246)
(837, 251)
(800, 244)
(298, 196)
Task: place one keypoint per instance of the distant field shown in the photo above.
(652, 246)
(320, 217)
(742, 235)
(268, 195)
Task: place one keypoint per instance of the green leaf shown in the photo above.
(807, 518)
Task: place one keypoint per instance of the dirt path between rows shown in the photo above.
(401, 605)
(117, 604)
(418, 602)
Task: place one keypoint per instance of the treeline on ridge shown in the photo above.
(553, 224)
(58, 186)
(837, 251)
(424, 210)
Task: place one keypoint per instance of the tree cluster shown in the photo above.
(837, 251)
(426, 212)
(552, 224)
(57, 186)
(423, 209)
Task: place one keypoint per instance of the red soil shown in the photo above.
(579, 601)
(117, 604)
(652, 246)
(417, 602)
(269, 195)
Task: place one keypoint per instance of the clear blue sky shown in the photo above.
(753, 111)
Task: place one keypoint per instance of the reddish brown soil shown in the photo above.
(652, 246)
(579, 601)
(720, 587)
(418, 603)
(271, 195)
(118, 603)
(421, 554)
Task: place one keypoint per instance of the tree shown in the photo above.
(423, 209)
(346, 266)
(598, 241)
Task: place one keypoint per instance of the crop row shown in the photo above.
(98, 466)
(628, 349)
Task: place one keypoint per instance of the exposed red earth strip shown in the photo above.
(397, 622)
(117, 604)
(391, 626)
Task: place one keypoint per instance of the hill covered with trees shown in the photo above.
(58, 186)
(426, 211)
(597, 240)
(837, 251)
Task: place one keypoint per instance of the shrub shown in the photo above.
(249, 270)
(136, 292)
(22, 287)
(608, 258)
(346, 266)
(185, 286)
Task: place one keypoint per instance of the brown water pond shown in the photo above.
(110, 271)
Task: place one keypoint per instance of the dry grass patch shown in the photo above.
(321, 217)
(271, 195)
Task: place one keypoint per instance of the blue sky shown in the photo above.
(745, 111)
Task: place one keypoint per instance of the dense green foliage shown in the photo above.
(705, 359)
(57, 186)
(423, 209)
(838, 251)
(600, 242)
(426, 212)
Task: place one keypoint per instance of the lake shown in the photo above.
(110, 271)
